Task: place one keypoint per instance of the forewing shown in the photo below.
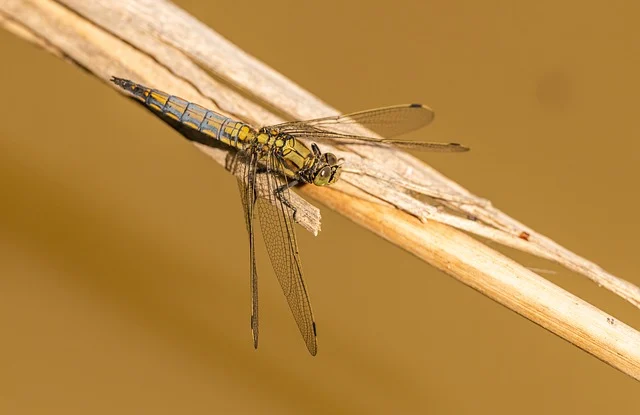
(276, 221)
(333, 138)
(245, 167)
(387, 121)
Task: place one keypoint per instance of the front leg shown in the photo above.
(279, 194)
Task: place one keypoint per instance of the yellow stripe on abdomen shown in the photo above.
(230, 132)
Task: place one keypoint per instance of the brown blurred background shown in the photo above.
(123, 253)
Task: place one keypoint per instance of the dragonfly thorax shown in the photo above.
(298, 161)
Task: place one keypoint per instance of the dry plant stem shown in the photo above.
(497, 277)
(154, 42)
(175, 52)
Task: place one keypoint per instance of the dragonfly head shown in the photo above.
(327, 168)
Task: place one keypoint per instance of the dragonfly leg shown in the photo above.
(279, 194)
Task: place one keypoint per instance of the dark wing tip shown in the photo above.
(254, 334)
(312, 343)
(459, 147)
(313, 348)
(427, 113)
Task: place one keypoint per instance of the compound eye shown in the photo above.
(325, 173)
(323, 176)
(330, 159)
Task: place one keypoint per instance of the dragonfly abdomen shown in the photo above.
(224, 129)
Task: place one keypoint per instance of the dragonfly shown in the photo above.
(276, 154)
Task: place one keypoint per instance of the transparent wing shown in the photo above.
(332, 137)
(388, 122)
(245, 165)
(278, 231)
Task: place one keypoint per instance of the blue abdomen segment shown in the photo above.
(217, 126)
(212, 124)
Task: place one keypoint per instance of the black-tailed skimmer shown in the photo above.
(284, 161)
